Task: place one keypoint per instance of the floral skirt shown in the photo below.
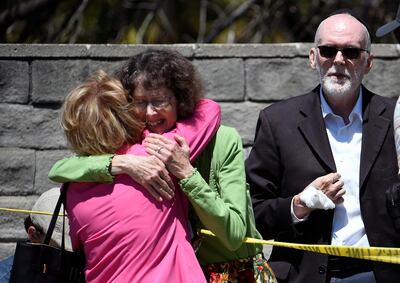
(249, 270)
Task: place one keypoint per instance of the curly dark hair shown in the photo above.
(155, 68)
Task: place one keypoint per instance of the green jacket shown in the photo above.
(217, 191)
(220, 197)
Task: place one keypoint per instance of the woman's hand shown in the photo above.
(174, 155)
(148, 171)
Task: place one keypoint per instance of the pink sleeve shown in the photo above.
(197, 130)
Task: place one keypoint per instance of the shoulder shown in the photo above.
(388, 101)
(283, 107)
(226, 136)
(226, 141)
(378, 102)
(290, 111)
(226, 131)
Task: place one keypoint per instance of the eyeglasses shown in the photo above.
(348, 52)
(156, 104)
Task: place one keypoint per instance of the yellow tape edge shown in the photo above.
(382, 254)
(27, 211)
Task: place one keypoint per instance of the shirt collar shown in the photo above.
(326, 109)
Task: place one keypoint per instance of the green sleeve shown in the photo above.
(221, 203)
(82, 169)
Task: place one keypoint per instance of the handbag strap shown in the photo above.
(56, 212)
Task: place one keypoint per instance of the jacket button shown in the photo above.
(322, 269)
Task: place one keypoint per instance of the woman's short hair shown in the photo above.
(156, 68)
(97, 117)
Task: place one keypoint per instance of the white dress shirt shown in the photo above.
(345, 141)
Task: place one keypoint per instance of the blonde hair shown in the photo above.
(96, 116)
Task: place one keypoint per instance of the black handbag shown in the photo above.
(34, 263)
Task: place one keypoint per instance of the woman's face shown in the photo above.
(156, 107)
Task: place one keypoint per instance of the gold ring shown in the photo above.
(159, 149)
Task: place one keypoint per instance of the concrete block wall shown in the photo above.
(34, 80)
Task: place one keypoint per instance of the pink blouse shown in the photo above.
(127, 235)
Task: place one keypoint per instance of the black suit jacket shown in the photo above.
(290, 150)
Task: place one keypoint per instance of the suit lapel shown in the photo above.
(312, 127)
(375, 129)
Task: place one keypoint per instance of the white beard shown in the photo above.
(344, 86)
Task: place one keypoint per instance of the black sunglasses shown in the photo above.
(348, 52)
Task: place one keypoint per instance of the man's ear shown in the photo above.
(313, 57)
(369, 63)
(34, 235)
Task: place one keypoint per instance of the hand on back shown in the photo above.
(174, 154)
(148, 171)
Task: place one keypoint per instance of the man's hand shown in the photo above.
(323, 193)
(148, 171)
(331, 186)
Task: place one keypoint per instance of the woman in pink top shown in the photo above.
(126, 234)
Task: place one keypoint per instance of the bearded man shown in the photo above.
(321, 163)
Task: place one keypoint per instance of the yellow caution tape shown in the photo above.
(27, 211)
(382, 254)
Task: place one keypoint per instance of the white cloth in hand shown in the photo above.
(316, 199)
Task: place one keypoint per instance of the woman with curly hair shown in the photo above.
(126, 235)
(215, 184)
